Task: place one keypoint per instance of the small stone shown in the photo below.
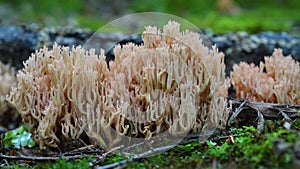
(287, 125)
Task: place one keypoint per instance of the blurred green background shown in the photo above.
(220, 16)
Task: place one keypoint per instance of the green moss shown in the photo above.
(63, 164)
(255, 16)
(89, 22)
(236, 148)
(249, 150)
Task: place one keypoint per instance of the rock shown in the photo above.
(16, 44)
(241, 46)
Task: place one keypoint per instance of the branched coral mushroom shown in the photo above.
(169, 84)
(7, 80)
(43, 95)
(279, 84)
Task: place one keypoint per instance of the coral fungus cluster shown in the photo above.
(276, 81)
(168, 84)
(7, 112)
(43, 95)
(7, 80)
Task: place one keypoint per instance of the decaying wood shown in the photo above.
(270, 110)
(245, 111)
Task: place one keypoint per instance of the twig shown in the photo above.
(100, 158)
(153, 151)
(123, 163)
(34, 158)
(153, 142)
(119, 164)
(265, 111)
(236, 113)
(260, 123)
(82, 148)
(1, 143)
(4, 162)
(86, 152)
(285, 116)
